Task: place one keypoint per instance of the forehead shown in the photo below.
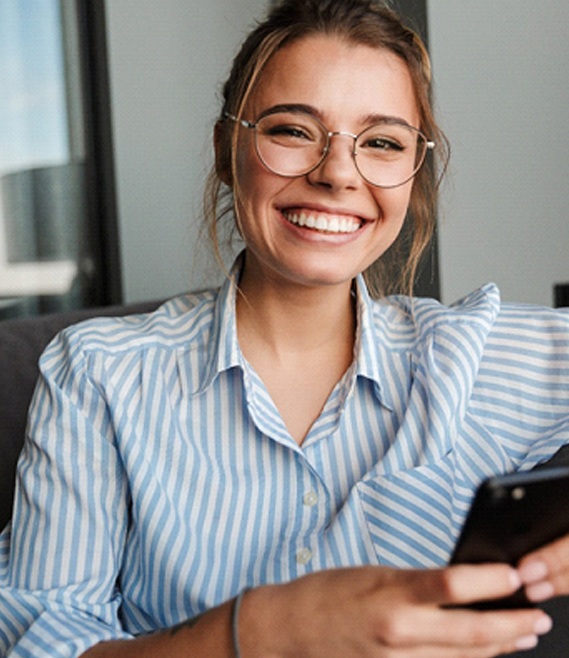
(343, 81)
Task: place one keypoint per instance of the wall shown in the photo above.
(167, 61)
(502, 87)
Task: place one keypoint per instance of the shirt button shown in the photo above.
(304, 556)
(310, 499)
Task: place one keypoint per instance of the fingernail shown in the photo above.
(533, 571)
(528, 642)
(540, 591)
(543, 625)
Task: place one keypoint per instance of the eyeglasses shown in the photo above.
(295, 143)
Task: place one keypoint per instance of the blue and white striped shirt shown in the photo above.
(158, 478)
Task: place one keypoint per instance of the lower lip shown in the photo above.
(314, 235)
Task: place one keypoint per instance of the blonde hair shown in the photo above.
(363, 22)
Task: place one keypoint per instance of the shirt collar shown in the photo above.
(371, 354)
(225, 352)
(370, 357)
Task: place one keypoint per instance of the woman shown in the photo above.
(250, 441)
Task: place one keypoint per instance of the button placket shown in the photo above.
(312, 499)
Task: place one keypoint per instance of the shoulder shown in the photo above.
(422, 318)
(479, 324)
(534, 338)
(532, 322)
(482, 308)
(180, 322)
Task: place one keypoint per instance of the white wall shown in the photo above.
(167, 61)
(502, 87)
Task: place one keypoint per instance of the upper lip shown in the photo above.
(318, 208)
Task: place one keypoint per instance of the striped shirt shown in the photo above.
(158, 478)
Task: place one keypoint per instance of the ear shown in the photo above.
(222, 153)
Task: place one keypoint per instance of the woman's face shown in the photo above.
(347, 86)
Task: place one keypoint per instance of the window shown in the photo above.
(55, 172)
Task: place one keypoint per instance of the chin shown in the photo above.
(322, 274)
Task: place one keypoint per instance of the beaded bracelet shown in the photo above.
(235, 621)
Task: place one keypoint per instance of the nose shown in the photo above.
(338, 168)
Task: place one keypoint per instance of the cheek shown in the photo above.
(256, 188)
(249, 172)
(245, 184)
(394, 203)
(254, 192)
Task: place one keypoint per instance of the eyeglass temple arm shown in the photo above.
(242, 122)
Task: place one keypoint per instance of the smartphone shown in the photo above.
(510, 516)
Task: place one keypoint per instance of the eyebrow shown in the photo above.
(300, 108)
(293, 108)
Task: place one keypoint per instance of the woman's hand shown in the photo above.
(388, 613)
(545, 572)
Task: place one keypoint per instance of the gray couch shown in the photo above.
(21, 343)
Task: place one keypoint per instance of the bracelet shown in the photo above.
(235, 621)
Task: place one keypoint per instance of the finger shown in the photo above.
(463, 584)
(489, 651)
(478, 629)
(459, 628)
(545, 572)
(555, 556)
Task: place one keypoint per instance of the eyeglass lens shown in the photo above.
(292, 144)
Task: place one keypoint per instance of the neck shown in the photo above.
(294, 318)
(299, 339)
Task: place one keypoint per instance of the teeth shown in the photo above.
(322, 222)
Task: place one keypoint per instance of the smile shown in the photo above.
(323, 222)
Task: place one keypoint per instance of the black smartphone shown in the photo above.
(510, 516)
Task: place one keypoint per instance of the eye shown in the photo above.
(381, 144)
(289, 129)
(389, 142)
(287, 132)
